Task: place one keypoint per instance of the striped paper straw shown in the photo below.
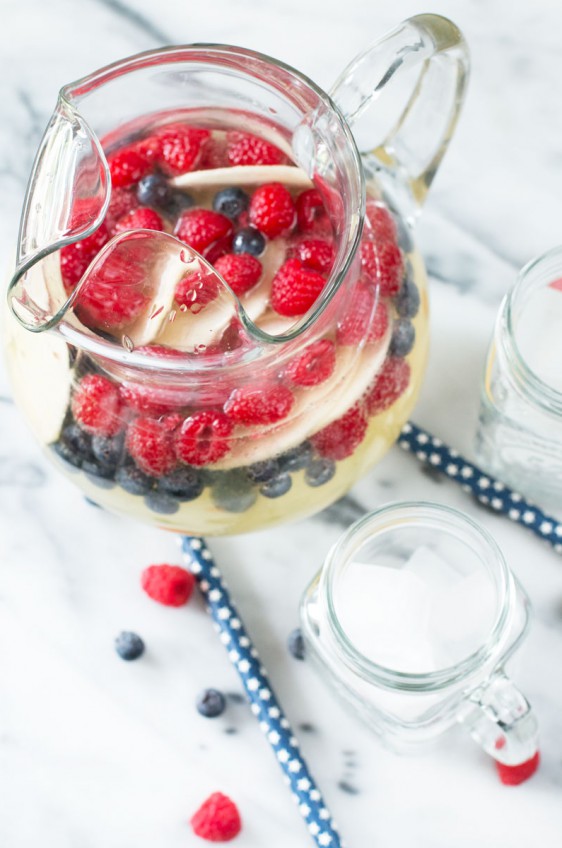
(488, 490)
(263, 702)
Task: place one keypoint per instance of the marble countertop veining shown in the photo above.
(98, 754)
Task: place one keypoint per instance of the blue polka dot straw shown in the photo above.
(432, 452)
(263, 703)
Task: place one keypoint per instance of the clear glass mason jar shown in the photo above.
(520, 425)
(411, 620)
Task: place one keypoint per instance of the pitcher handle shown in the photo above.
(423, 65)
(501, 720)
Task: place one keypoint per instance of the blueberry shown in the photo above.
(407, 300)
(403, 337)
(161, 503)
(295, 644)
(98, 474)
(129, 646)
(108, 450)
(178, 203)
(319, 471)
(231, 202)
(74, 445)
(184, 484)
(249, 240)
(154, 190)
(211, 703)
(133, 480)
(263, 472)
(276, 487)
(233, 492)
(296, 458)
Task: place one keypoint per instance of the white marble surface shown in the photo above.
(96, 753)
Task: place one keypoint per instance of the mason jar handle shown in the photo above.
(402, 98)
(501, 720)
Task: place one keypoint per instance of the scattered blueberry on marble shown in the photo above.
(407, 300)
(296, 458)
(263, 472)
(231, 201)
(249, 240)
(133, 480)
(277, 486)
(232, 491)
(184, 484)
(320, 470)
(211, 703)
(161, 503)
(129, 646)
(295, 644)
(403, 337)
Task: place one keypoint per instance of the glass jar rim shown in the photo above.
(355, 536)
(533, 387)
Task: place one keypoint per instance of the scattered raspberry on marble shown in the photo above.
(272, 210)
(96, 405)
(217, 819)
(170, 585)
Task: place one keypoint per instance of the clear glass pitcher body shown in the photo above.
(218, 318)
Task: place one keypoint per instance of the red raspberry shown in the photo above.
(272, 209)
(217, 819)
(240, 270)
(146, 398)
(150, 444)
(295, 288)
(310, 210)
(340, 438)
(168, 584)
(200, 228)
(391, 381)
(379, 223)
(160, 350)
(218, 249)
(246, 149)
(123, 201)
(196, 290)
(317, 254)
(180, 147)
(203, 438)
(107, 306)
(75, 258)
(514, 775)
(213, 155)
(128, 165)
(382, 263)
(142, 218)
(315, 365)
(96, 405)
(262, 404)
(365, 320)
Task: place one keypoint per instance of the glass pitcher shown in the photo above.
(218, 318)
